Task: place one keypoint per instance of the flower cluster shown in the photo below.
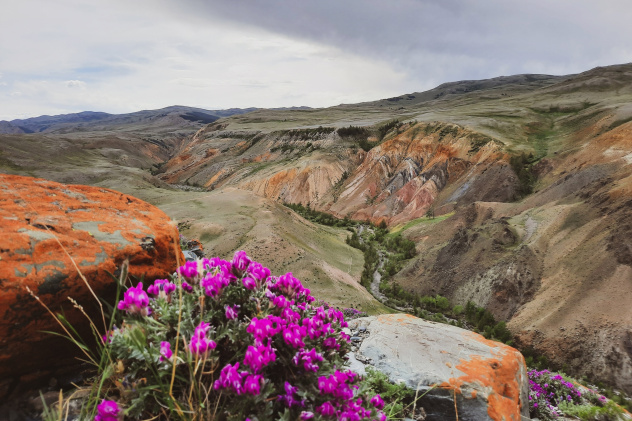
(257, 344)
(135, 301)
(548, 390)
(162, 288)
(200, 345)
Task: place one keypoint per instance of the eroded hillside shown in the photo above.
(536, 174)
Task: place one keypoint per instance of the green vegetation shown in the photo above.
(387, 127)
(439, 309)
(366, 145)
(523, 167)
(378, 244)
(478, 141)
(305, 134)
(400, 400)
(588, 412)
(354, 132)
(320, 217)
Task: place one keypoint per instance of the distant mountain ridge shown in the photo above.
(91, 119)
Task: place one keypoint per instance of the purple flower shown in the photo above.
(187, 287)
(162, 288)
(291, 287)
(258, 357)
(377, 402)
(326, 409)
(265, 328)
(249, 283)
(189, 270)
(214, 283)
(135, 301)
(337, 384)
(231, 378)
(289, 397)
(258, 272)
(232, 312)
(241, 261)
(330, 343)
(200, 344)
(306, 415)
(293, 335)
(253, 383)
(107, 411)
(106, 338)
(165, 351)
(308, 359)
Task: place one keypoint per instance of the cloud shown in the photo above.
(75, 84)
(122, 56)
(474, 39)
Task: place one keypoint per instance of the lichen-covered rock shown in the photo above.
(488, 379)
(50, 232)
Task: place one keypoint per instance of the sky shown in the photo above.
(121, 56)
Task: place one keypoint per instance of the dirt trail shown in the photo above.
(531, 225)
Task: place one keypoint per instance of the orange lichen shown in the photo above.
(45, 225)
(497, 374)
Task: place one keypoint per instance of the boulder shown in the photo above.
(487, 379)
(50, 232)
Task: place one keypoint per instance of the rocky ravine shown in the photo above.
(555, 264)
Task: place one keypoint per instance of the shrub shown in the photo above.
(552, 395)
(401, 399)
(227, 341)
(353, 131)
(522, 165)
(587, 412)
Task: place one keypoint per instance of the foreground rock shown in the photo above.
(50, 231)
(488, 379)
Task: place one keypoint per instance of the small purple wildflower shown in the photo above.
(241, 261)
(107, 411)
(135, 301)
(162, 288)
(200, 345)
(252, 384)
(377, 402)
(165, 351)
(232, 312)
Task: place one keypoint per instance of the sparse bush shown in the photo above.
(387, 127)
(354, 132)
(522, 165)
(366, 145)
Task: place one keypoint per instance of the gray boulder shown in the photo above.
(487, 379)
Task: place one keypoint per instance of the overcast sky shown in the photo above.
(119, 56)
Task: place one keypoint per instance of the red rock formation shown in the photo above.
(50, 232)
